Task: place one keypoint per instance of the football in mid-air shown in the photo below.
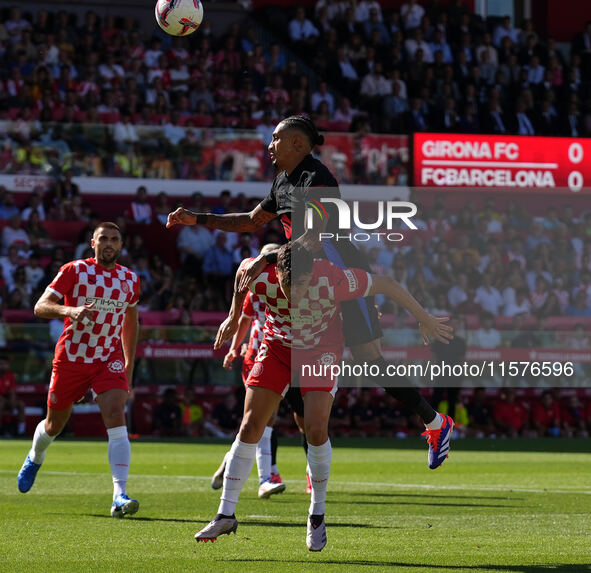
(179, 17)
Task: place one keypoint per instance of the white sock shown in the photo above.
(319, 469)
(274, 469)
(119, 458)
(238, 467)
(41, 441)
(264, 455)
(436, 423)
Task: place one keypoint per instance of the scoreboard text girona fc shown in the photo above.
(553, 164)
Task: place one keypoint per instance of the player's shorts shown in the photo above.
(276, 365)
(360, 317)
(71, 380)
(247, 365)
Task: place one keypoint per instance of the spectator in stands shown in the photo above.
(225, 418)
(411, 13)
(193, 242)
(34, 203)
(487, 336)
(365, 414)
(125, 134)
(488, 296)
(511, 418)
(10, 404)
(520, 306)
(302, 32)
(8, 206)
(546, 416)
(574, 418)
(505, 30)
(394, 419)
(322, 94)
(14, 235)
(167, 418)
(480, 419)
(218, 265)
(580, 306)
(193, 417)
(340, 416)
(458, 293)
(140, 210)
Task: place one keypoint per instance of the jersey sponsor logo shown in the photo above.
(116, 367)
(327, 359)
(257, 369)
(105, 304)
(352, 279)
(125, 287)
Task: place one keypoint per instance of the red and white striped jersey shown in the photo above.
(112, 291)
(317, 318)
(254, 308)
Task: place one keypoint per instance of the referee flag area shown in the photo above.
(515, 506)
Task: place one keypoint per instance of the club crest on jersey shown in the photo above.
(327, 359)
(116, 367)
(124, 287)
(257, 369)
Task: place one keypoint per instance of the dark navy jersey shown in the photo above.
(292, 194)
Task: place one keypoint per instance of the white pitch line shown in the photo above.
(456, 487)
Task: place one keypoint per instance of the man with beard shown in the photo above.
(96, 350)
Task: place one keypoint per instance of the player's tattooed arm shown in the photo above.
(229, 327)
(231, 222)
(129, 336)
(311, 236)
(48, 307)
(429, 326)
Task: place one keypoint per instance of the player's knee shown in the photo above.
(251, 429)
(316, 433)
(54, 427)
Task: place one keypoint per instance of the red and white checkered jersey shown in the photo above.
(266, 288)
(317, 318)
(254, 308)
(112, 291)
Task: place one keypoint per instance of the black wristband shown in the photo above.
(271, 258)
(200, 219)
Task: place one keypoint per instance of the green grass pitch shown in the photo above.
(510, 506)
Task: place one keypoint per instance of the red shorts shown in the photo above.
(276, 365)
(247, 365)
(71, 380)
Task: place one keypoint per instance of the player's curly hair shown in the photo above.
(291, 252)
(304, 124)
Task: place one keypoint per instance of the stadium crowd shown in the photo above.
(484, 261)
(359, 413)
(86, 92)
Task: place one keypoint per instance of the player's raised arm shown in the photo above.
(129, 336)
(238, 222)
(229, 327)
(429, 325)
